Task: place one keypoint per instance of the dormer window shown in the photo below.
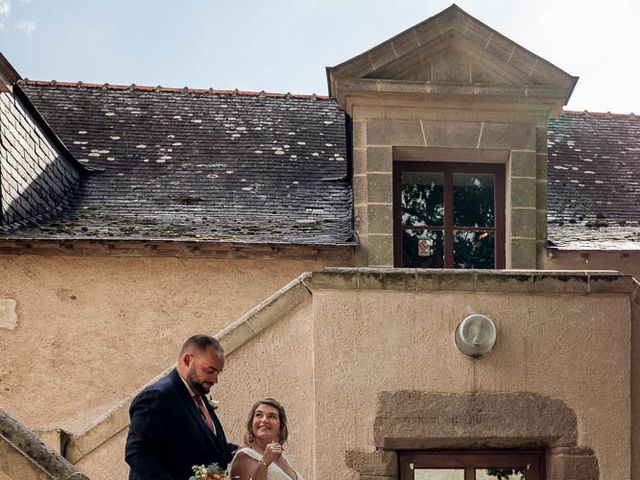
(448, 215)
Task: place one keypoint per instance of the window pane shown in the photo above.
(473, 249)
(438, 474)
(422, 199)
(473, 200)
(500, 474)
(422, 249)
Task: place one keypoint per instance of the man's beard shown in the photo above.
(195, 384)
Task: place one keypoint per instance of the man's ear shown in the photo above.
(186, 358)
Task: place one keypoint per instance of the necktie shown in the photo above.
(205, 413)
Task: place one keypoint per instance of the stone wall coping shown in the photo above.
(35, 450)
(232, 337)
(507, 281)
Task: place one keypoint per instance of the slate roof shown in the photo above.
(199, 165)
(250, 167)
(594, 181)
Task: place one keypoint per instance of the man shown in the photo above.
(173, 427)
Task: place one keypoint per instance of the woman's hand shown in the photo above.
(272, 453)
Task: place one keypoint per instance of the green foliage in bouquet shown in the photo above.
(201, 472)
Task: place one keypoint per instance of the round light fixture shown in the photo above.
(476, 335)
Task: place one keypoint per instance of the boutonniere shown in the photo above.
(214, 403)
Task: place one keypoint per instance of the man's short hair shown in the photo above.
(200, 343)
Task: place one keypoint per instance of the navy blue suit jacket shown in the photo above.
(168, 434)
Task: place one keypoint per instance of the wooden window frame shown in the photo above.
(533, 461)
(449, 169)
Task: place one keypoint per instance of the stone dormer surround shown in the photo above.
(450, 89)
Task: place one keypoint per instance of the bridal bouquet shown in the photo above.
(211, 472)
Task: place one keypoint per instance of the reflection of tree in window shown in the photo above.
(473, 207)
(473, 200)
(422, 204)
(473, 249)
(448, 215)
(506, 473)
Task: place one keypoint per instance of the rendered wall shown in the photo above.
(364, 332)
(91, 330)
(565, 337)
(278, 364)
(14, 466)
(107, 461)
(569, 347)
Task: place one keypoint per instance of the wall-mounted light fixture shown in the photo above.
(476, 335)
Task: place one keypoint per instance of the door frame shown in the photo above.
(533, 460)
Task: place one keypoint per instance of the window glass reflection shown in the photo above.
(439, 474)
(422, 199)
(500, 474)
(473, 200)
(473, 249)
(422, 249)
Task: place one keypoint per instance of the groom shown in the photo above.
(173, 427)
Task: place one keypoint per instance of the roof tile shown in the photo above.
(594, 179)
(199, 164)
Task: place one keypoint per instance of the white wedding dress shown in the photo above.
(274, 472)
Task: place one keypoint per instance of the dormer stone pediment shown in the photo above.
(451, 54)
(450, 59)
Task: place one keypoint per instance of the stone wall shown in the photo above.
(450, 89)
(385, 133)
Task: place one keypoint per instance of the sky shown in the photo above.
(285, 45)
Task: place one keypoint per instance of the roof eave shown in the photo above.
(175, 247)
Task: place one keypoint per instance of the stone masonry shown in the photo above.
(450, 89)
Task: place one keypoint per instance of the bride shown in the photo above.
(263, 457)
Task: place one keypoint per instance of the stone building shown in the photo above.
(335, 244)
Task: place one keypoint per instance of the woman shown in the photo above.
(263, 457)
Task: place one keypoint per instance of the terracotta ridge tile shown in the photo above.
(159, 88)
(586, 113)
